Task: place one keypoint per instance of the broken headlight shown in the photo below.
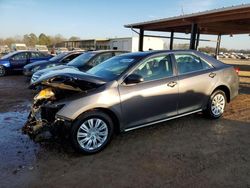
(45, 94)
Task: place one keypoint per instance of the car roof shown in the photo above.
(151, 52)
(73, 52)
(103, 51)
(154, 52)
(145, 54)
(28, 51)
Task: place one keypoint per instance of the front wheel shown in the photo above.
(91, 132)
(2, 70)
(216, 104)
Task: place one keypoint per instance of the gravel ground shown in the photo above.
(188, 152)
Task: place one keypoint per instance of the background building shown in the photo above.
(126, 43)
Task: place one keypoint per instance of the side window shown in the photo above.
(100, 58)
(155, 68)
(118, 53)
(190, 63)
(20, 56)
(35, 55)
(69, 58)
(41, 54)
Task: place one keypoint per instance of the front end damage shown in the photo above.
(52, 97)
(42, 115)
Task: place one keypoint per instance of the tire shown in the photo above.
(91, 132)
(216, 104)
(2, 70)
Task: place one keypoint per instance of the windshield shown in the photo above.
(81, 59)
(8, 55)
(58, 57)
(112, 68)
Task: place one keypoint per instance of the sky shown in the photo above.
(101, 18)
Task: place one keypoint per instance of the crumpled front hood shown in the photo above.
(49, 70)
(58, 67)
(70, 79)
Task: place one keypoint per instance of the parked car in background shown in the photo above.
(15, 61)
(61, 50)
(18, 47)
(61, 59)
(130, 91)
(83, 62)
(4, 49)
(42, 48)
(76, 49)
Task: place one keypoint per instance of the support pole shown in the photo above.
(197, 40)
(217, 51)
(171, 40)
(193, 36)
(141, 35)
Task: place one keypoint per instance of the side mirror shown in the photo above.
(133, 79)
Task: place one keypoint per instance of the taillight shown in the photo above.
(237, 70)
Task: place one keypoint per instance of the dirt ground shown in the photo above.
(188, 152)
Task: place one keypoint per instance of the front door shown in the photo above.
(153, 99)
(18, 61)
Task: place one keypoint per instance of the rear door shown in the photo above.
(18, 61)
(36, 56)
(153, 99)
(196, 80)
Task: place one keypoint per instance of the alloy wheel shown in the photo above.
(92, 134)
(2, 71)
(218, 104)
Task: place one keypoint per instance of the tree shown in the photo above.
(30, 40)
(44, 39)
(8, 41)
(73, 38)
(33, 39)
(1, 41)
(57, 39)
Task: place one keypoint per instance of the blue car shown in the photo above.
(15, 61)
(61, 59)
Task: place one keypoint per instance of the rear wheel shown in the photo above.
(216, 104)
(91, 132)
(2, 70)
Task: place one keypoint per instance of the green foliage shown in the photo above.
(44, 39)
(30, 40)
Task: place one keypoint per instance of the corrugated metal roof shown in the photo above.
(193, 15)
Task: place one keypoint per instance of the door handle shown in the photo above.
(212, 75)
(171, 84)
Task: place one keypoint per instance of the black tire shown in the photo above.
(94, 114)
(2, 70)
(209, 112)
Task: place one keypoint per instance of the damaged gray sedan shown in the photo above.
(130, 91)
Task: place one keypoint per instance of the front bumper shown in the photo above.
(43, 118)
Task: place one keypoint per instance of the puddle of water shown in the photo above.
(18, 153)
(16, 149)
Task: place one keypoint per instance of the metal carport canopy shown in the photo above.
(223, 21)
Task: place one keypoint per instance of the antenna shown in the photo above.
(182, 10)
